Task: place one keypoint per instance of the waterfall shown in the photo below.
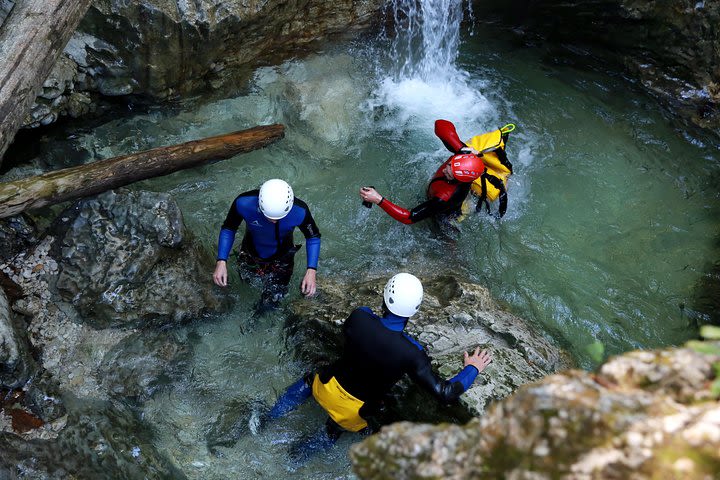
(418, 79)
(427, 37)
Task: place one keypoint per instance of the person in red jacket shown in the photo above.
(448, 187)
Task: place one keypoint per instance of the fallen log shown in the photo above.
(92, 178)
(31, 40)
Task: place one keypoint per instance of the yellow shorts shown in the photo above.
(342, 407)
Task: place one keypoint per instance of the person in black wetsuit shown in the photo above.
(448, 187)
(271, 215)
(377, 354)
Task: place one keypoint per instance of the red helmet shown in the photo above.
(466, 167)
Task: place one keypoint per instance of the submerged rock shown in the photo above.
(143, 363)
(455, 317)
(100, 441)
(127, 259)
(644, 415)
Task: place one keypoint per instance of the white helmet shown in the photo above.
(403, 294)
(275, 199)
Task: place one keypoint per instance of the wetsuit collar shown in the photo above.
(394, 322)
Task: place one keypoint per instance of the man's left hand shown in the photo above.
(308, 287)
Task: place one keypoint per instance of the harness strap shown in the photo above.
(497, 183)
(483, 194)
(502, 156)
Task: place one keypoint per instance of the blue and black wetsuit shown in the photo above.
(267, 248)
(377, 354)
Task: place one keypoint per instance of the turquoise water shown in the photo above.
(612, 216)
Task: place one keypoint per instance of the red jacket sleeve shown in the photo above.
(446, 132)
(398, 213)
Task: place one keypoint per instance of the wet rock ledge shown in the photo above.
(644, 415)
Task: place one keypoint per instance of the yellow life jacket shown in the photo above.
(342, 407)
(492, 184)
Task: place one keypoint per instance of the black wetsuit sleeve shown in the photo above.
(308, 226)
(427, 209)
(312, 236)
(233, 218)
(422, 374)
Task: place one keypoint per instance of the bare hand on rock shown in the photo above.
(478, 359)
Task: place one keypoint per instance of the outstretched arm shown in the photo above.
(450, 390)
(446, 132)
(421, 212)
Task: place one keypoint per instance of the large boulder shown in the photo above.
(127, 259)
(455, 316)
(645, 415)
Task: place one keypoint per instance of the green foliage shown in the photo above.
(596, 350)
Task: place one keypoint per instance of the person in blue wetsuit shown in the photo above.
(271, 215)
(376, 355)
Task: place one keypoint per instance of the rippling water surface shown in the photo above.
(613, 216)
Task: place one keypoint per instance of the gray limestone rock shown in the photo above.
(645, 415)
(159, 49)
(455, 316)
(58, 95)
(671, 48)
(37, 393)
(5, 7)
(127, 259)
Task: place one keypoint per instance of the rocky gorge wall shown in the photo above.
(671, 48)
(156, 50)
